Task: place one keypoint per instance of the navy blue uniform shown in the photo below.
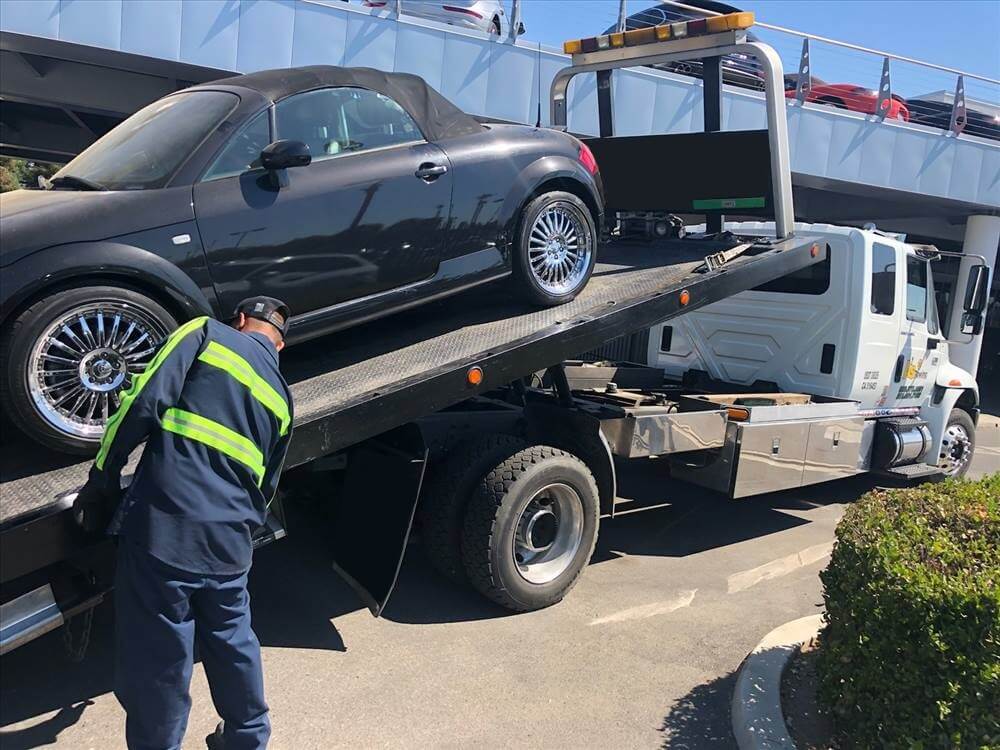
(216, 416)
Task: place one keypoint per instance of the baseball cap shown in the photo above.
(268, 309)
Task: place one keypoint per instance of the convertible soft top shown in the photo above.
(437, 117)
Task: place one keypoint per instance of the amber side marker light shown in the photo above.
(685, 298)
(814, 251)
(474, 376)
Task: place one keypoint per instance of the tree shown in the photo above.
(18, 173)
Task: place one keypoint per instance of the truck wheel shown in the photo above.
(67, 357)
(957, 445)
(556, 248)
(446, 495)
(530, 528)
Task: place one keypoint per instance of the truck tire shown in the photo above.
(957, 445)
(446, 494)
(530, 528)
(58, 370)
(556, 248)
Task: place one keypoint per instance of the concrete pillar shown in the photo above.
(982, 237)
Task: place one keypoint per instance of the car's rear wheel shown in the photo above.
(556, 249)
(68, 357)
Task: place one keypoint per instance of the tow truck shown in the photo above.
(465, 416)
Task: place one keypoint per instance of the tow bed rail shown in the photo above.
(368, 380)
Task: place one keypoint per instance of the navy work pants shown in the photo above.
(161, 612)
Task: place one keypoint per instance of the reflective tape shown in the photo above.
(140, 381)
(196, 427)
(226, 359)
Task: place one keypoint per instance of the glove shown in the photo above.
(93, 508)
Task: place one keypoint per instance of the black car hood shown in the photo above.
(32, 220)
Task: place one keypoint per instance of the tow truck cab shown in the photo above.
(864, 325)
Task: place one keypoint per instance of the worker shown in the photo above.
(216, 416)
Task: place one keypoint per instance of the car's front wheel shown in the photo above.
(556, 249)
(68, 357)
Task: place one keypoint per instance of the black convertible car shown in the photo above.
(349, 193)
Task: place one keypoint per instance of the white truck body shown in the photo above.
(862, 326)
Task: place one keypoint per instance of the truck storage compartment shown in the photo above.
(777, 440)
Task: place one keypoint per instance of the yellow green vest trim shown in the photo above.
(226, 359)
(196, 427)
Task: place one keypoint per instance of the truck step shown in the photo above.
(911, 471)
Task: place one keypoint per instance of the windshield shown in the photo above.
(147, 149)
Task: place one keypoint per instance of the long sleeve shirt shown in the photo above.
(216, 415)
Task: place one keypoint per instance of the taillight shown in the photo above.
(587, 159)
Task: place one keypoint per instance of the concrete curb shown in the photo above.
(758, 723)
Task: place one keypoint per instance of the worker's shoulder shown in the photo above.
(252, 348)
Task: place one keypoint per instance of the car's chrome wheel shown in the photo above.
(548, 533)
(956, 450)
(560, 246)
(82, 361)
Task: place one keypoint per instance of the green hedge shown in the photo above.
(910, 655)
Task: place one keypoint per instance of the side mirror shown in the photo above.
(977, 291)
(520, 28)
(285, 154)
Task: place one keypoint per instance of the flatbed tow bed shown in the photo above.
(365, 381)
(443, 392)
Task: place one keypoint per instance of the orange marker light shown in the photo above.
(814, 251)
(685, 297)
(474, 376)
(954, 382)
(573, 47)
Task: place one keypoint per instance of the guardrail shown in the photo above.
(819, 71)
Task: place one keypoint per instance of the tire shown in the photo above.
(958, 445)
(446, 495)
(543, 252)
(29, 397)
(497, 521)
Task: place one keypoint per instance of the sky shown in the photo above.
(962, 34)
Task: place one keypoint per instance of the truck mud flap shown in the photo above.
(372, 525)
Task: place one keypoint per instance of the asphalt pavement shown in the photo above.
(641, 654)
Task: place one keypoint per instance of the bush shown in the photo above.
(910, 654)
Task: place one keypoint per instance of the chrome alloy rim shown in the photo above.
(956, 450)
(559, 249)
(83, 360)
(548, 533)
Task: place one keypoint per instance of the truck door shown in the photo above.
(920, 335)
(881, 323)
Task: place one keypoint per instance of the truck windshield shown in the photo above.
(147, 149)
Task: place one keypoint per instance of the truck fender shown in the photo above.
(104, 260)
(581, 435)
(557, 169)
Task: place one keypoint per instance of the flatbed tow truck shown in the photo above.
(461, 413)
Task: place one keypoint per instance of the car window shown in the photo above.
(883, 279)
(147, 149)
(916, 289)
(243, 150)
(344, 120)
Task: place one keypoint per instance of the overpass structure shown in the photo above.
(70, 70)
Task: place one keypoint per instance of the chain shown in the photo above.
(78, 650)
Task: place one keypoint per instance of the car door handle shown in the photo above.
(429, 172)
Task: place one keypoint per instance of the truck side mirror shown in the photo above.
(977, 291)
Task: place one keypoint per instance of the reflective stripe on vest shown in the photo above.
(225, 359)
(140, 381)
(215, 435)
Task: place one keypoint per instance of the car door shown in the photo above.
(367, 215)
